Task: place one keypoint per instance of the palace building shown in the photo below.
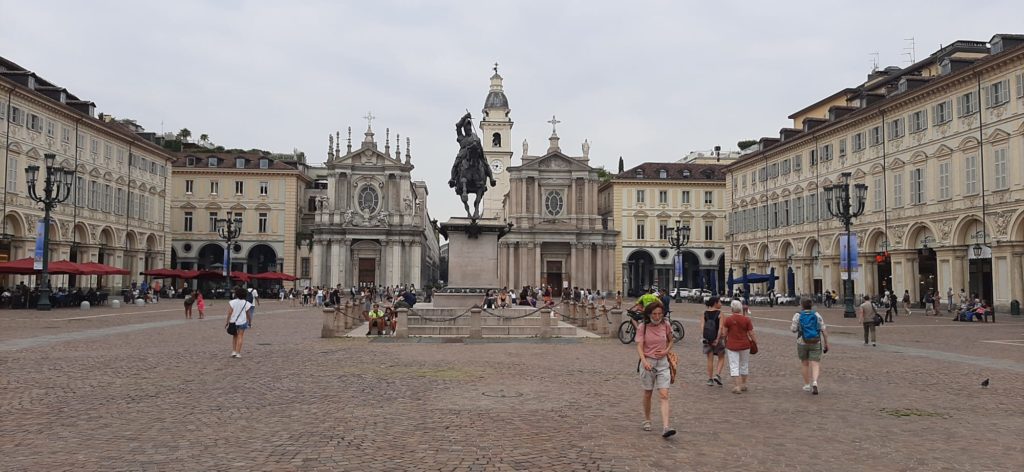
(645, 204)
(118, 211)
(940, 146)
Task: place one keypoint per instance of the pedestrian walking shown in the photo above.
(737, 332)
(712, 347)
(893, 308)
(949, 300)
(201, 305)
(866, 314)
(811, 336)
(653, 345)
(238, 321)
(906, 301)
(253, 297)
(189, 300)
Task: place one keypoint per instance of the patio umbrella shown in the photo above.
(25, 267)
(95, 268)
(791, 282)
(771, 279)
(203, 274)
(162, 273)
(730, 282)
(242, 276)
(273, 276)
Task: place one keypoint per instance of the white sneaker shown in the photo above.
(807, 388)
(234, 354)
(238, 356)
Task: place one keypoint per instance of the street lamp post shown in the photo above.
(845, 206)
(746, 284)
(56, 189)
(678, 239)
(228, 229)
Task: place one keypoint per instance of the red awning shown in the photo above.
(163, 273)
(95, 268)
(240, 276)
(273, 276)
(204, 274)
(24, 266)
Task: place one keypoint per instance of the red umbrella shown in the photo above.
(273, 276)
(163, 273)
(95, 268)
(25, 266)
(242, 276)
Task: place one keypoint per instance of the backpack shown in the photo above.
(248, 296)
(809, 328)
(711, 325)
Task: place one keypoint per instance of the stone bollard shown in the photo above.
(572, 314)
(591, 318)
(140, 302)
(345, 322)
(602, 322)
(402, 330)
(115, 303)
(330, 326)
(617, 316)
(545, 324)
(475, 324)
(83, 306)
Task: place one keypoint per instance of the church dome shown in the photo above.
(496, 99)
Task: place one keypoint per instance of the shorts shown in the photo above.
(809, 352)
(242, 327)
(717, 349)
(660, 376)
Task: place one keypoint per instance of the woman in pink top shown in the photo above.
(653, 343)
(201, 304)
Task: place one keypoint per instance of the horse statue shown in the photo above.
(470, 173)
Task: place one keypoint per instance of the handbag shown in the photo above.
(673, 365)
(878, 320)
(232, 328)
(753, 347)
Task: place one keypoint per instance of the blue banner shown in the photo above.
(37, 263)
(848, 252)
(679, 267)
(227, 260)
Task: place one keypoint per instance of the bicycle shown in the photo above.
(627, 329)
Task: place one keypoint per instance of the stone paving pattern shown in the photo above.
(167, 397)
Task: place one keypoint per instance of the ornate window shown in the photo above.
(553, 202)
(369, 200)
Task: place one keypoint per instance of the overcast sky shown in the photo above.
(649, 81)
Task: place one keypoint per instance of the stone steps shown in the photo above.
(421, 330)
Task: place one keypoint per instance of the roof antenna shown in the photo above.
(874, 61)
(911, 50)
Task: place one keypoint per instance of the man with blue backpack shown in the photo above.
(811, 336)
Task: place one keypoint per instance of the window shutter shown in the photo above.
(988, 96)
(1020, 85)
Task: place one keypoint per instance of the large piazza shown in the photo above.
(940, 145)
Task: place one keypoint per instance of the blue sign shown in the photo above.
(679, 268)
(848, 252)
(37, 263)
(227, 260)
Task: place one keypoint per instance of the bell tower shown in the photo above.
(496, 137)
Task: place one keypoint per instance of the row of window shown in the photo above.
(684, 198)
(215, 187)
(263, 225)
(996, 94)
(785, 213)
(39, 124)
(240, 162)
(664, 230)
(662, 173)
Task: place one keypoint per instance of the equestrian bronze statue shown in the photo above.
(470, 173)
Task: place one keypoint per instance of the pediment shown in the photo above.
(897, 163)
(918, 157)
(785, 192)
(555, 161)
(187, 206)
(95, 173)
(943, 150)
(998, 135)
(798, 189)
(663, 214)
(364, 157)
(876, 169)
(859, 174)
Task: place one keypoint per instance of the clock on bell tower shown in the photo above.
(496, 135)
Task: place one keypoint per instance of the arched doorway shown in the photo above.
(721, 274)
(105, 254)
(640, 270)
(817, 272)
(210, 257)
(690, 276)
(922, 240)
(364, 265)
(971, 235)
(174, 258)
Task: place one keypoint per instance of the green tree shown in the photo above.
(204, 138)
(184, 134)
(603, 174)
(744, 144)
(621, 169)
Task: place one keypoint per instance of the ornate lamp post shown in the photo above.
(846, 206)
(228, 229)
(678, 239)
(56, 189)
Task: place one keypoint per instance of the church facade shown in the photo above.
(558, 238)
(369, 224)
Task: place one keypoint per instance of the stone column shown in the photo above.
(537, 269)
(537, 203)
(335, 259)
(959, 268)
(1017, 275)
(599, 255)
(524, 253)
(318, 262)
(343, 267)
(575, 277)
(502, 265)
(417, 264)
(510, 266)
(588, 267)
(573, 211)
(383, 267)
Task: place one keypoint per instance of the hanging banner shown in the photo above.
(227, 260)
(679, 268)
(848, 252)
(37, 263)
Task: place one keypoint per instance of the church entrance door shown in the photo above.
(554, 278)
(367, 272)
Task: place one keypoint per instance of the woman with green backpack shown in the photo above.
(811, 336)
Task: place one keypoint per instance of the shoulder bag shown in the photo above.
(232, 328)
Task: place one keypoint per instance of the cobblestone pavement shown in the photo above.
(165, 396)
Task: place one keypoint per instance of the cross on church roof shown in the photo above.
(553, 122)
(495, 67)
(369, 119)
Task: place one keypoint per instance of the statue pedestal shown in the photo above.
(472, 261)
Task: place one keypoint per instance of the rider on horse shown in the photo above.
(470, 173)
